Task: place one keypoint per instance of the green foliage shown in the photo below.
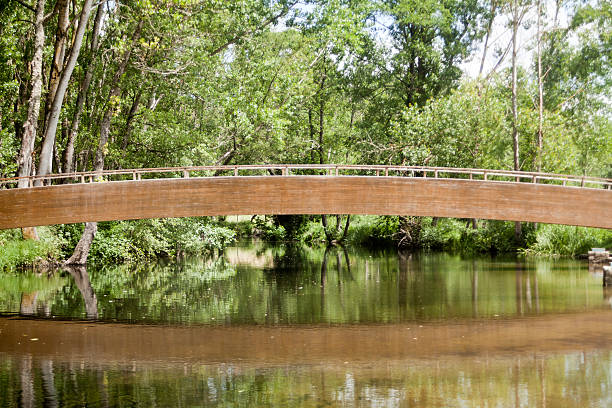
(313, 233)
(467, 128)
(373, 231)
(431, 37)
(129, 241)
(16, 252)
(568, 241)
(266, 229)
(294, 225)
(459, 235)
(325, 81)
(19, 253)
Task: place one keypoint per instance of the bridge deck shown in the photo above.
(314, 194)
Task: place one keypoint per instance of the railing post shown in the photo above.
(386, 172)
(471, 176)
(186, 173)
(377, 173)
(30, 182)
(535, 179)
(336, 171)
(484, 175)
(424, 173)
(134, 176)
(82, 178)
(435, 173)
(235, 170)
(582, 182)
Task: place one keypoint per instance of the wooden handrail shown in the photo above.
(327, 169)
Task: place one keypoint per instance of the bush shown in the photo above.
(567, 240)
(17, 252)
(129, 241)
(458, 235)
(373, 231)
(267, 230)
(313, 233)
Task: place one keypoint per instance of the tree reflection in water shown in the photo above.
(292, 325)
(81, 279)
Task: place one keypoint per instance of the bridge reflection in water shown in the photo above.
(302, 189)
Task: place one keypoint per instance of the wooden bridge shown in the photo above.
(306, 189)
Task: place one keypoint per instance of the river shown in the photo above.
(265, 325)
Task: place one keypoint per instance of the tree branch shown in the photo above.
(26, 5)
(248, 32)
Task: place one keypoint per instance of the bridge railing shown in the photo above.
(310, 169)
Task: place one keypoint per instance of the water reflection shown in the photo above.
(570, 380)
(295, 285)
(81, 279)
(290, 325)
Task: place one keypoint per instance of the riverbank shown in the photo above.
(427, 233)
(134, 241)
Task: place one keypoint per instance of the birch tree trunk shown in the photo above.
(115, 92)
(515, 136)
(25, 159)
(46, 153)
(486, 44)
(540, 91)
(68, 158)
(59, 55)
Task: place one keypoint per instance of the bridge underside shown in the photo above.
(188, 197)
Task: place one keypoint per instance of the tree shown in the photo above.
(46, 153)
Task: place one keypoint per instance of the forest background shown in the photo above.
(501, 84)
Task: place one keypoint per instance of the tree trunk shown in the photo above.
(81, 278)
(321, 122)
(312, 135)
(58, 55)
(25, 159)
(130, 118)
(115, 92)
(328, 236)
(79, 257)
(486, 44)
(83, 89)
(346, 227)
(515, 135)
(81, 251)
(540, 91)
(46, 153)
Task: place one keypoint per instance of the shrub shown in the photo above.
(567, 240)
(17, 252)
(373, 231)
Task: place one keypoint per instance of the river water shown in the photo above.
(295, 326)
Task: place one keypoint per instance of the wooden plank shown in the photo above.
(418, 196)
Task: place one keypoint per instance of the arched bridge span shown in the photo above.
(307, 189)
